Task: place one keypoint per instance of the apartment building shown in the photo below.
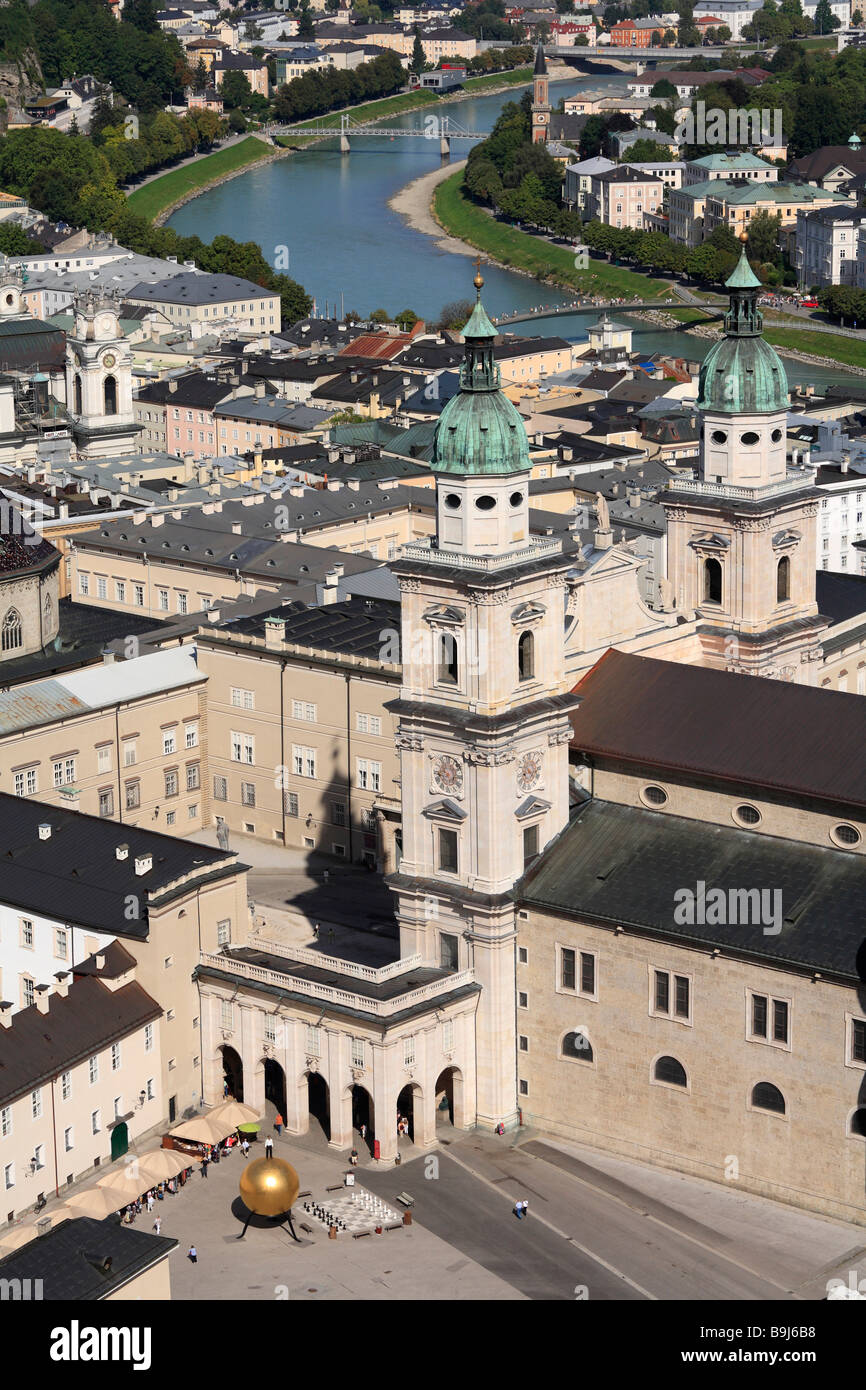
(125, 741)
(176, 414)
(200, 302)
(166, 899)
(621, 197)
(301, 743)
(830, 247)
(736, 164)
(80, 1077)
(697, 209)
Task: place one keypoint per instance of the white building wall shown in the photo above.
(41, 961)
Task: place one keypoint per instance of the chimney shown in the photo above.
(108, 657)
(121, 852)
(275, 632)
(143, 863)
(99, 959)
(236, 528)
(296, 491)
(213, 615)
(42, 993)
(63, 511)
(329, 589)
(260, 389)
(354, 484)
(334, 487)
(172, 385)
(61, 989)
(6, 1014)
(45, 831)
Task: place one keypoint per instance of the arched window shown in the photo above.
(858, 1123)
(577, 1046)
(712, 581)
(78, 395)
(526, 656)
(783, 579)
(11, 633)
(670, 1070)
(766, 1096)
(447, 669)
(110, 393)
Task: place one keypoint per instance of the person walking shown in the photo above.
(193, 1255)
(269, 1147)
(150, 1200)
(278, 1124)
(246, 1147)
(204, 1163)
(157, 1223)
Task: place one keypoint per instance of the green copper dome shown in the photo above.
(480, 432)
(742, 374)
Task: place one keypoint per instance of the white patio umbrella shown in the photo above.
(97, 1202)
(234, 1113)
(161, 1165)
(204, 1129)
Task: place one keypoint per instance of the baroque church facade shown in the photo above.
(558, 809)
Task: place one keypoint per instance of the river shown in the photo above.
(326, 216)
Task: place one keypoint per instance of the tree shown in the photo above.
(141, 13)
(825, 20)
(200, 77)
(664, 88)
(455, 314)
(406, 319)
(764, 237)
(646, 150)
(236, 90)
(380, 316)
(295, 303)
(306, 27)
(418, 61)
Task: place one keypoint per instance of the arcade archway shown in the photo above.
(363, 1115)
(449, 1098)
(319, 1102)
(406, 1109)
(233, 1073)
(275, 1086)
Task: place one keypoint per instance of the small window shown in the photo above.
(845, 835)
(577, 1046)
(448, 851)
(485, 503)
(712, 581)
(783, 580)
(452, 501)
(522, 955)
(750, 438)
(776, 436)
(530, 844)
(526, 656)
(670, 1071)
(516, 498)
(766, 1096)
(747, 815)
(656, 796)
(447, 672)
(719, 437)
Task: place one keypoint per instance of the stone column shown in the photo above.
(250, 1053)
(297, 1115)
(339, 1101)
(385, 1087)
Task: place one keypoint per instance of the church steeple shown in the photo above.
(540, 103)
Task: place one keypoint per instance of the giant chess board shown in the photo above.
(353, 1210)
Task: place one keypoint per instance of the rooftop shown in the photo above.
(75, 876)
(85, 1260)
(640, 710)
(624, 865)
(194, 288)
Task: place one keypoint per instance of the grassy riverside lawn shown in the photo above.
(404, 101)
(519, 251)
(160, 193)
(849, 352)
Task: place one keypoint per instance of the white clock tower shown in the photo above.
(99, 379)
(483, 725)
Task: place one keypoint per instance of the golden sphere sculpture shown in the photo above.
(269, 1186)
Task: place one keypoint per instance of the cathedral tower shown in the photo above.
(741, 538)
(540, 102)
(99, 379)
(483, 726)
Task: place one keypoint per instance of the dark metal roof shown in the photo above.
(29, 345)
(75, 875)
(747, 730)
(36, 1046)
(624, 865)
(840, 596)
(358, 627)
(70, 1259)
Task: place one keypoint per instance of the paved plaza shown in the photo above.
(599, 1228)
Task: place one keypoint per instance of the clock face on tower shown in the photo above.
(109, 360)
(541, 118)
(528, 771)
(447, 774)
